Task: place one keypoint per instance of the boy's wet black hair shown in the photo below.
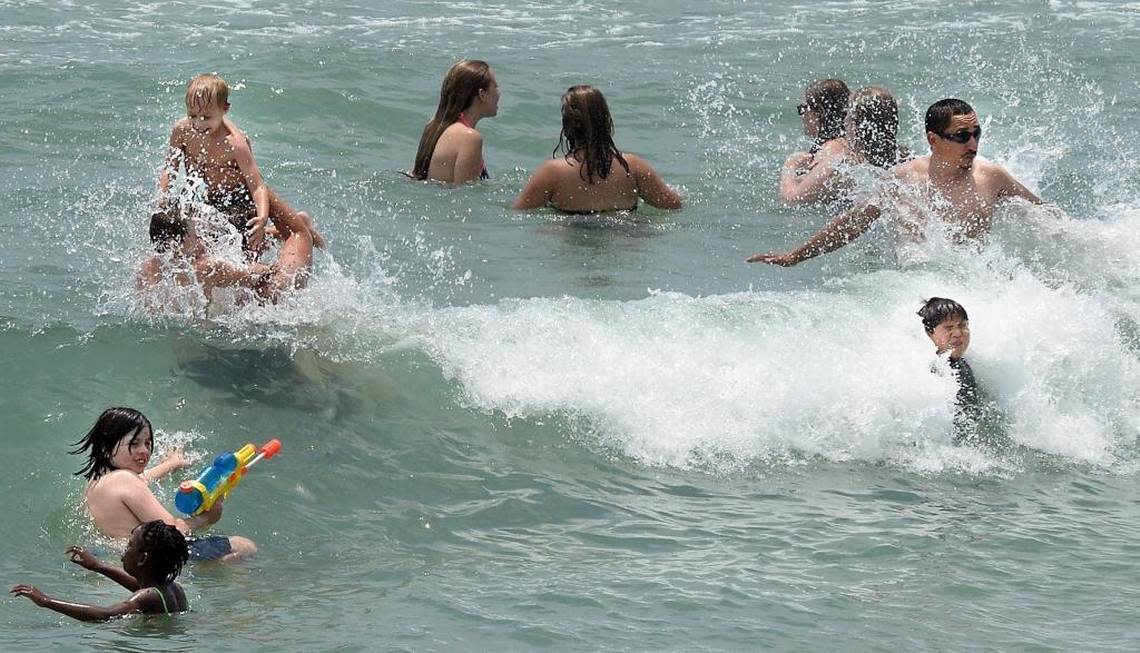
(167, 228)
(100, 441)
(937, 309)
(165, 548)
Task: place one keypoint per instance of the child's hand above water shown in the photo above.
(173, 461)
(36, 596)
(83, 558)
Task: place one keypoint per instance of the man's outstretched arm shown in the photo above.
(845, 228)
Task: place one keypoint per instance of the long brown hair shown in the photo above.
(461, 85)
(588, 133)
(873, 124)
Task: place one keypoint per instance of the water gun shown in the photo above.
(221, 477)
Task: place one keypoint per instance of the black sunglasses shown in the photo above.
(963, 137)
(802, 109)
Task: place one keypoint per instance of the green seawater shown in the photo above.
(522, 431)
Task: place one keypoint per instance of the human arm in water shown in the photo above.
(805, 179)
(539, 188)
(174, 461)
(650, 186)
(145, 600)
(251, 175)
(845, 228)
(83, 558)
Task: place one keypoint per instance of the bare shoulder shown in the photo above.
(832, 150)
(990, 170)
(179, 131)
(238, 142)
(914, 169)
(637, 165)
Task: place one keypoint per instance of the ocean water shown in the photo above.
(526, 432)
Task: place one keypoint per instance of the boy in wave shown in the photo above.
(213, 149)
(948, 327)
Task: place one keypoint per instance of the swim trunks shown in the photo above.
(208, 548)
(238, 208)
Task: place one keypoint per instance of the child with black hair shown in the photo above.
(118, 497)
(153, 559)
(948, 327)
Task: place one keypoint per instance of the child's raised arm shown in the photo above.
(140, 601)
(83, 558)
(243, 157)
(174, 461)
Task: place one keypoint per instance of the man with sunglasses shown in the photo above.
(962, 191)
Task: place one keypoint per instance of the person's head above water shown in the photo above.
(953, 132)
(468, 86)
(947, 325)
(824, 109)
(872, 126)
(167, 229)
(156, 551)
(121, 438)
(588, 133)
(207, 101)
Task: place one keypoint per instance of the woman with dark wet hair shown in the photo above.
(592, 175)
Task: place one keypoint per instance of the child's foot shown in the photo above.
(318, 239)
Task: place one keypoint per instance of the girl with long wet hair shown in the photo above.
(588, 173)
(872, 128)
(823, 113)
(451, 149)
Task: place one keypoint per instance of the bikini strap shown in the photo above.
(162, 597)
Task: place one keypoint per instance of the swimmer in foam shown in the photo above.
(154, 557)
(451, 149)
(961, 191)
(948, 327)
(118, 495)
(214, 150)
(181, 254)
(592, 175)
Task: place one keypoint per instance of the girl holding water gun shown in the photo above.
(118, 497)
(153, 559)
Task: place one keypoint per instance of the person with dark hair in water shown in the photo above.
(962, 191)
(948, 327)
(592, 175)
(154, 557)
(117, 496)
(871, 126)
(823, 113)
(451, 149)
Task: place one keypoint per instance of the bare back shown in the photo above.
(119, 501)
(458, 155)
(561, 183)
(213, 159)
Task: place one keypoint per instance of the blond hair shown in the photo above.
(207, 89)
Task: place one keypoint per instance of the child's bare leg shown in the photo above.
(240, 547)
(291, 269)
(280, 211)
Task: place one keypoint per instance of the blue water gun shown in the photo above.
(221, 477)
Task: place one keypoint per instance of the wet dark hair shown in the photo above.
(588, 133)
(165, 548)
(167, 228)
(939, 114)
(937, 309)
(828, 97)
(100, 441)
